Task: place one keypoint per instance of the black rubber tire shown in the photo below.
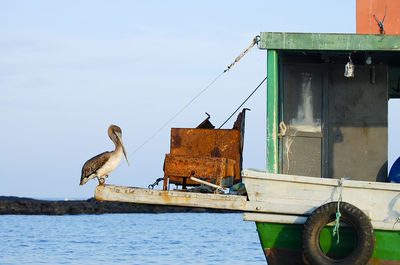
(352, 216)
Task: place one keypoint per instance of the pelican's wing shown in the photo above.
(93, 164)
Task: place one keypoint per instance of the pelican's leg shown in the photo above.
(101, 180)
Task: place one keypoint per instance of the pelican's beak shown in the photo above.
(123, 147)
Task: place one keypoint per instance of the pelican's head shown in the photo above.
(115, 134)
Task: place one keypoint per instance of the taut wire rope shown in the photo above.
(254, 42)
(177, 114)
(254, 91)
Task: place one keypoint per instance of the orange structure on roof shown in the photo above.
(378, 17)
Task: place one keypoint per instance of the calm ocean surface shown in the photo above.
(171, 238)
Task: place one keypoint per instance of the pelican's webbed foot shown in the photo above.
(102, 180)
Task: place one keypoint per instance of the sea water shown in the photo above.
(169, 238)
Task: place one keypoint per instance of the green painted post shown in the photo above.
(272, 111)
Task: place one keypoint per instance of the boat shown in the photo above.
(290, 200)
(324, 197)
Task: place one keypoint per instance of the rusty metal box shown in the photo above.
(214, 155)
(212, 169)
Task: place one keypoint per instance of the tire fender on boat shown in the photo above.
(353, 217)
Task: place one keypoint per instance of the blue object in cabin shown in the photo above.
(394, 174)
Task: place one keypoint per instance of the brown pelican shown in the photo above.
(104, 163)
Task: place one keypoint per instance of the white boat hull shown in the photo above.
(290, 199)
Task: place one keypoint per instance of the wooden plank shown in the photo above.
(325, 41)
(298, 219)
(299, 195)
(178, 198)
(192, 199)
(261, 174)
(274, 218)
(271, 210)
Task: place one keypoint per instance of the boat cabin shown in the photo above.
(327, 103)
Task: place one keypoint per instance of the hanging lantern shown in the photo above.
(349, 68)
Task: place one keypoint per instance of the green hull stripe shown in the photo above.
(289, 236)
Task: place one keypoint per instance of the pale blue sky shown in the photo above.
(69, 69)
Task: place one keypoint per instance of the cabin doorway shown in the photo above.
(302, 115)
(335, 126)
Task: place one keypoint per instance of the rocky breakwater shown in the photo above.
(28, 206)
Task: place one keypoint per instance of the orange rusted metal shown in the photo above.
(208, 154)
(371, 12)
(207, 168)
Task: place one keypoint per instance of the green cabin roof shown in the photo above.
(328, 41)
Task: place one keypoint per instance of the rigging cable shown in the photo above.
(254, 42)
(254, 91)
(177, 114)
